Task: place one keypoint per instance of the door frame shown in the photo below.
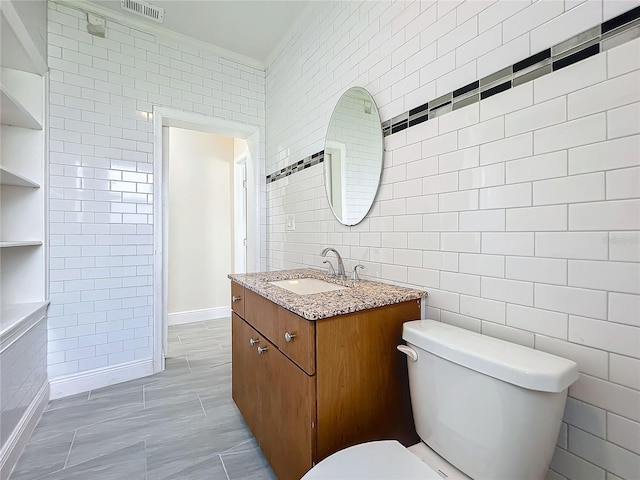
(168, 117)
(240, 214)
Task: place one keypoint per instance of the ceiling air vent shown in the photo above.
(143, 9)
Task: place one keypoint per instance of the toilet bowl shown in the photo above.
(385, 460)
(484, 408)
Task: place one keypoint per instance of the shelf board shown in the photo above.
(15, 179)
(16, 319)
(14, 113)
(28, 243)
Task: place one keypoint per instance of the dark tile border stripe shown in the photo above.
(576, 48)
(621, 19)
(307, 162)
(576, 57)
(609, 34)
(489, 92)
(532, 60)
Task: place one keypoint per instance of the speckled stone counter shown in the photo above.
(360, 295)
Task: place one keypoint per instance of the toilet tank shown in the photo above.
(490, 408)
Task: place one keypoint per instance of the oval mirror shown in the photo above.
(353, 156)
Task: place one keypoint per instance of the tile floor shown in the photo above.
(178, 424)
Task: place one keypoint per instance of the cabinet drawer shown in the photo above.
(237, 298)
(261, 314)
(297, 340)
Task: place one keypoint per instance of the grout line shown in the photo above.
(201, 405)
(224, 467)
(188, 364)
(75, 432)
(89, 396)
(144, 398)
(240, 452)
(235, 446)
(146, 469)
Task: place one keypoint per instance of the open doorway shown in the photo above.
(242, 232)
(207, 222)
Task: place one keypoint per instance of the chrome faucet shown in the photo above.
(341, 273)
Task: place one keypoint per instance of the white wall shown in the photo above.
(200, 220)
(101, 176)
(520, 215)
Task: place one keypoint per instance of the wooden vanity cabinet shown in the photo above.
(329, 384)
(276, 399)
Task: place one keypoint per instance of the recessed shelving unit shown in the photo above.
(15, 113)
(24, 278)
(23, 173)
(7, 177)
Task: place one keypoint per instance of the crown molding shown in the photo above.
(139, 24)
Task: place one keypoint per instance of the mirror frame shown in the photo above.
(328, 144)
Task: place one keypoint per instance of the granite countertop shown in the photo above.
(361, 295)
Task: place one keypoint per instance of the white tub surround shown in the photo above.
(24, 389)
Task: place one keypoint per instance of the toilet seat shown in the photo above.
(381, 460)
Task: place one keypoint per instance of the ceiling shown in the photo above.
(248, 27)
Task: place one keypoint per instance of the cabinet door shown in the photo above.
(288, 415)
(245, 389)
(362, 381)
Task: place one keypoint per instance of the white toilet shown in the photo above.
(484, 409)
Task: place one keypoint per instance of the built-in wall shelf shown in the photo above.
(17, 318)
(14, 112)
(12, 315)
(23, 169)
(24, 282)
(8, 177)
(28, 243)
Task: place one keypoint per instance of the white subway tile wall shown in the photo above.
(101, 175)
(530, 198)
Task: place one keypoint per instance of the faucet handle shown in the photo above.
(330, 270)
(354, 274)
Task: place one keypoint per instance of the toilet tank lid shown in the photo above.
(516, 364)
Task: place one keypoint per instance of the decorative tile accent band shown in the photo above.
(307, 162)
(602, 37)
(610, 34)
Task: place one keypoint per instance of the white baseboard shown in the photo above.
(14, 446)
(191, 316)
(100, 377)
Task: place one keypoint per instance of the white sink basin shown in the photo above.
(307, 286)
